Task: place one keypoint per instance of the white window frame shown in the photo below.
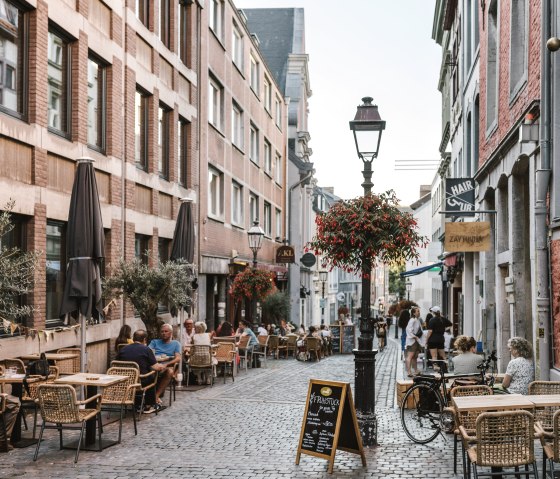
(278, 168)
(215, 103)
(267, 157)
(237, 46)
(278, 113)
(236, 125)
(254, 145)
(267, 94)
(236, 204)
(278, 221)
(253, 208)
(254, 78)
(267, 219)
(215, 193)
(215, 17)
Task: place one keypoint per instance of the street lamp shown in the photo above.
(367, 128)
(255, 235)
(323, 276)
(408, 285)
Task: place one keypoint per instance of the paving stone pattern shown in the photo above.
(246, 429)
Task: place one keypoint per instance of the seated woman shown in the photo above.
(467, 361)
(202, 338)
(302, 352)
(520, 371)
(225, 329)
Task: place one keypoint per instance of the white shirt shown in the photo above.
(348, 321)
(188, 338)
(262, 331)
(202, 339)
(413, 326)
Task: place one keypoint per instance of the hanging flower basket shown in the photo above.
(252, 284)
(366, 229)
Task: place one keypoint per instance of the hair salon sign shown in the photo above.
(459, 195)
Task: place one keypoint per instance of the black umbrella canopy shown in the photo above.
(183, 237)
(85, 244)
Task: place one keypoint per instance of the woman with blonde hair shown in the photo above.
(467, 361)
(520, 371)
(201, 337)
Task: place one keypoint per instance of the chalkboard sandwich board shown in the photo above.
(335, 338)
(348, 339)
(329, 422)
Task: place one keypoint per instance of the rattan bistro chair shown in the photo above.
(261, 349)
(201, 359)
(3, 399)
(59, 406)
(291, 345)
(465, 419)
(148, 381)
(544, 415)
(243, 350)
(503, 440)
(29, 398)
(550, 442)
(122, 394)
(225, 355)
(313, 346)
(69, 366)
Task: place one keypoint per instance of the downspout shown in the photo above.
(542, 180)
(123, 161)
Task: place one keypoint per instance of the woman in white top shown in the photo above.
(520, 371)
(467, 361)
(413, 342)
(201, 337)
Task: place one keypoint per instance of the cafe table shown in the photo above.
(493, 402)
(544, 400)
(92, 382)
(16, 380)
(50, 356)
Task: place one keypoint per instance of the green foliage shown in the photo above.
(17, 269)
(396, 283)
(275, 307)
(169, 283)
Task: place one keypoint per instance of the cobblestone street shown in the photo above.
(246, 429)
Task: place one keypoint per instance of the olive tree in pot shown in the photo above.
(275, 307)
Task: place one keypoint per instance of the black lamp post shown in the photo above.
(367, 127)
(408, 285)
(323, 276)
(256, 235)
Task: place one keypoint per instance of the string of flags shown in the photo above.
(40, 334)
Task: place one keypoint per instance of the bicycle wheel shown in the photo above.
(421, 420)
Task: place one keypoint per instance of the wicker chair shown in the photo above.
(29, 399)
(148, 381)
(223, 339)
(225, 355)
(291, 345)
(503, 440)
(14, 363)
(261, 349)
(3, 398)
(544, 415)
(69, 366)
(465, 419)
(274, 347)
(550, 442)
(243, 350)
(58, 405)
(122, 394)
(200, 359)
(313, 346)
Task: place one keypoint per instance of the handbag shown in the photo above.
(40, 367)
(419, 333)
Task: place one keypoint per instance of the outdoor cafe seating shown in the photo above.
(147, 381)
(225, 355)
(200, 360)
(260, 350)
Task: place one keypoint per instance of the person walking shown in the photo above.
(404, 318)
(414, 334)
(435, 336)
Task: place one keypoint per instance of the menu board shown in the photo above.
(335, 337)
(329, 422)
(348, 343)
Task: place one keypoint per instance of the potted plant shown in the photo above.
(275, 307)
(252, 284)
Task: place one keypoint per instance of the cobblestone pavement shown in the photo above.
(246, 429)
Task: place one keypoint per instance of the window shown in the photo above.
(267, 157)
(13, 67)
(164, 26)
(142, 248)
(518, 51)
(142, 11)
(267, 95)
(237, 46)
(215, 16)
(253, 208)
(164, 115)
(278, 113)
(58, 82)
(278, 225)
(254, 152)
(267, 219)
(96, 104)
(237, 125)
(141, 130)
(236, 204)
(278, 168)
(455, 67)
(254, 75)
(215, 103)
(183, 33)
(492, 67)
(215, 193)
(164, 246)
(56, 270)
(182, 151)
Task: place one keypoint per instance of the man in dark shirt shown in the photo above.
(142, 355)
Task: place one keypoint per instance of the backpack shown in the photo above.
(40, 367)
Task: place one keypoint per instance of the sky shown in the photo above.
(377, 48)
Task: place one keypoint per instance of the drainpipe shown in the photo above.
(542, 181)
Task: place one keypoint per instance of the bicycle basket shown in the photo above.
(429, 401)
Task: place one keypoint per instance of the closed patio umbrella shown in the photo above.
(85, 245)
(182, 248)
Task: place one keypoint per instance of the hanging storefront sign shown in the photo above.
(462, 237)
(459, 195)
(285, 254)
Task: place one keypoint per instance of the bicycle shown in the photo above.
(429, 397)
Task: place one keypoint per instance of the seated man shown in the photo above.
(246, 330)
(166, 346)
(10, 414)
(142, 355)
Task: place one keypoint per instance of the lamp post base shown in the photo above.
(364, 381)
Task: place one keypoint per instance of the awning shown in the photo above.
(422, 269)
